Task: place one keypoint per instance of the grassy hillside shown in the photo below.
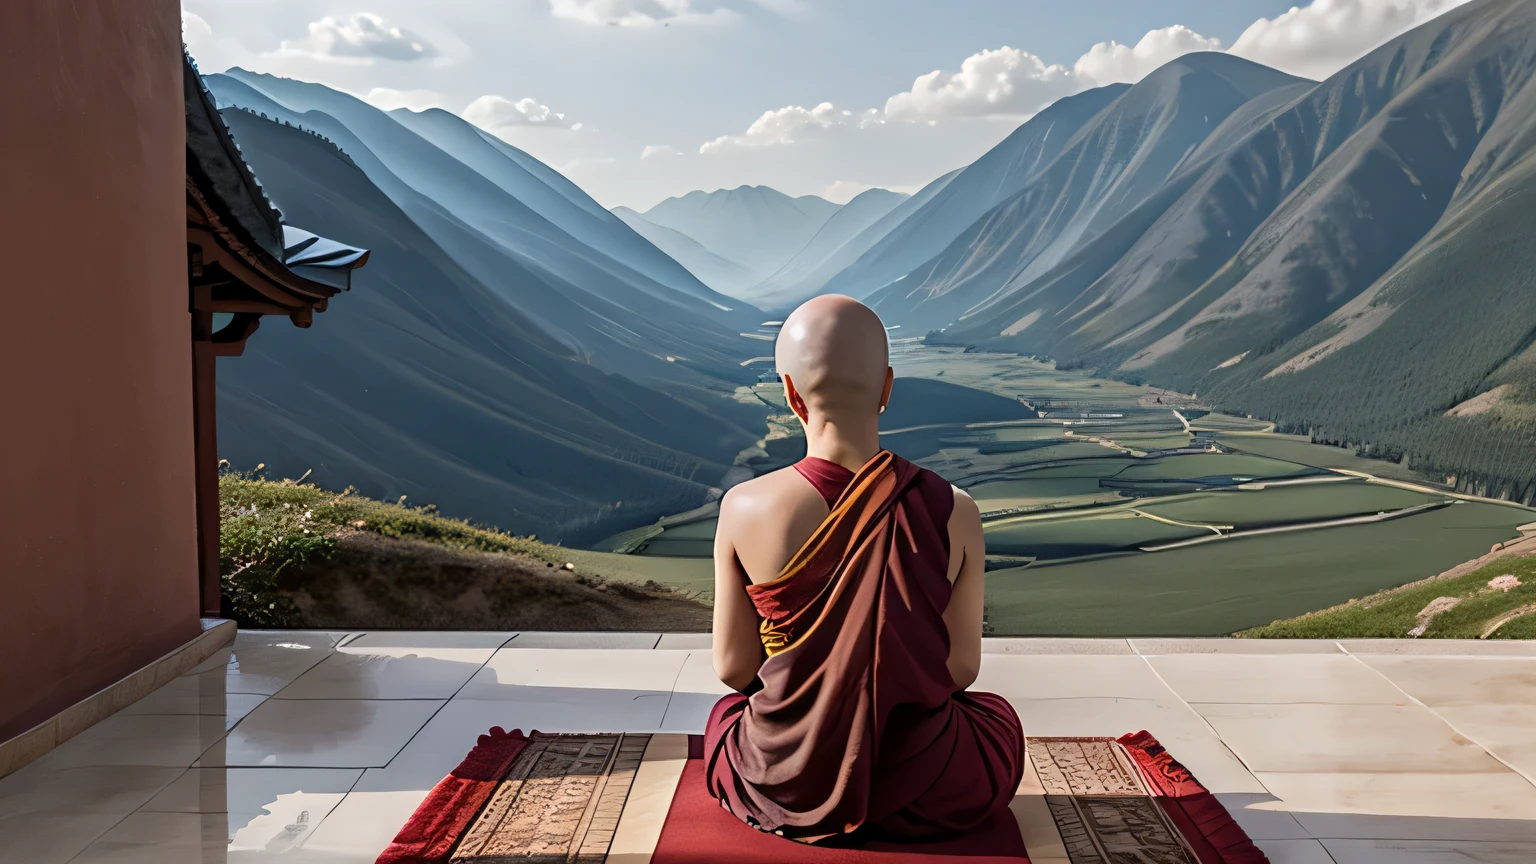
(292, 554)
(1493, 597)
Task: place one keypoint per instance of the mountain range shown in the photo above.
(758, 244)
(598, 287)
(1349, 258)
(513, 353)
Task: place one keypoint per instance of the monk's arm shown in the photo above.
(964, 613)
(738, 646)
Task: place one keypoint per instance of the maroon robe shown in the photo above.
(858, 725)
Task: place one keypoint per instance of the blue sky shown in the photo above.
(637, 100)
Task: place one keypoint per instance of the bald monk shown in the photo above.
(848, 615)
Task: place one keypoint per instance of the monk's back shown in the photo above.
(857, 720)
(769, 518)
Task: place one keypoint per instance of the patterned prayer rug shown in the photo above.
(640, 799)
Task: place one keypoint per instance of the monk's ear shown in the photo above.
(885, 395)
(795, 400)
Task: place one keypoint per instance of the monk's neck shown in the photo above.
(850, 442)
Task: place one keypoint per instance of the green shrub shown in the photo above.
(268, 526)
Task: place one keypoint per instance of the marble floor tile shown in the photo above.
(198, 694)
(1506, 731)
(320, 733)
(53, 836)
(696, 692)
(359, 828)
(1300, 851)
(698, 675)
(1020, 676)
(606, 641)
(1259, 678)
(1442, 647)
(1335, 745)
(619, 711)
(419, 639)
(111, 789)
(688, 713)
(1309, 737)
(1178, 728)
(277, 833)
(1429, 852)
(686, 641)
(1057, 646)
(358, 671)
(1461, 681)
(1407, 805)
(1262, 816)
(580, 675)
(1241, 647)
(245, 793)
(265, 662)
(162, 838)
(444, 742)
(174, 741)
(440, 745)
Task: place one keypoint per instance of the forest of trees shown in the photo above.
(334, 146)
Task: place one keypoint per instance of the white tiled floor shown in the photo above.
(316, 747)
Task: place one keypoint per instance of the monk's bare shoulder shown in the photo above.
(764, 497)
(767, 518)
(965, 535)
(966, 507)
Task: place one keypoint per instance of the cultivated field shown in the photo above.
(1122, 511)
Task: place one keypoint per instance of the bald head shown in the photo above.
(833, 350)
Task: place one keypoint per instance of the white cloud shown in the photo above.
(1319, 40)
(497, 115)
(1111, 62)
(997, 83)
(789, 125)
(653, 150)
(1314, 41)
(1001, 81)
(387, 99)
(634, 13)
(194, 30)
(361, 38)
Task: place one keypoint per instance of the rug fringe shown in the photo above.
(1200, 817)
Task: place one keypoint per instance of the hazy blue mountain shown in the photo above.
(1124, 154)
(800, 277)
(862, 242)
(428, 380)
(977, 188)
(551, 195)
(1353, 261)
(724, 276)
(603, 309)
(756, 227)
